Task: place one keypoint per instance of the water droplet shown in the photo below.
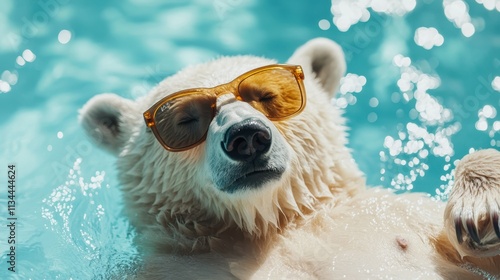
(64, 36)
(373, 102)
(28, 55)
(468, 29)
(20, 61)
(324, 24)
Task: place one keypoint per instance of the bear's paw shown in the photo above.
(473, 210)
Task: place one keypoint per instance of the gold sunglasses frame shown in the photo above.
(230, 87)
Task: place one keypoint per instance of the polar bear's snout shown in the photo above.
(247, 140)
(245, 150)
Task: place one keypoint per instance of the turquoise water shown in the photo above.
(422, 90)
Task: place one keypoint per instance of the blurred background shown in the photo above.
(422, 90)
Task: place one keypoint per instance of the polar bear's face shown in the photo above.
(227, 160)
(244, 149)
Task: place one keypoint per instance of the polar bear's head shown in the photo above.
(225, 153)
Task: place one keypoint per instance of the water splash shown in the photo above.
(457, 12)
(88, 232)
(428, 37)
(406, 155)
(347, 13)
(350, 85)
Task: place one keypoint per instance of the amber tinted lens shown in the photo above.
(274, 92)
(182, 122)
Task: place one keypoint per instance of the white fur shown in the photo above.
(319, 221)
(478, 177)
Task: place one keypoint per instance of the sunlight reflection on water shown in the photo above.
(433, 125)
(423, 86)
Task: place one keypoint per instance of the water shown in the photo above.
(422, 86)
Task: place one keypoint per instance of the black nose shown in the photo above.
(247, 140)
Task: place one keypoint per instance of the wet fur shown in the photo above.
(319, 221)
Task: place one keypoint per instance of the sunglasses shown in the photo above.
(181, 120)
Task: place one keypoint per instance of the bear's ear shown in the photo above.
(108, 119)
(324, 59)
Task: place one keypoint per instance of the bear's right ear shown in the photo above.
(107, 119)
(324, 59)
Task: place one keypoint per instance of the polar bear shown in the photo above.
(238, 169)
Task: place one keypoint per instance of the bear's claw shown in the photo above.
(496, 225)
(458, 230)
(471, 230)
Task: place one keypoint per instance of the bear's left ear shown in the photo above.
(324, 59)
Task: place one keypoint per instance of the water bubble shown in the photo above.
(351, 83)
(341, 102)
(468, 29)
(324, 24)
(457, 12)
(20, 61)
(423, 153)
(489, 4)
(455, 9)
(28, 55)
(4, 87)
(495, 84)
(64, 36)
(347, 12)
(428, 37)
(482, 124)
(488, 112)
(496, 126)
(395, 97)
(373, 102)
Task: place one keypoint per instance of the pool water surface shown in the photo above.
(422, 90)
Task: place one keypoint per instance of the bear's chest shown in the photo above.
(374, 236)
